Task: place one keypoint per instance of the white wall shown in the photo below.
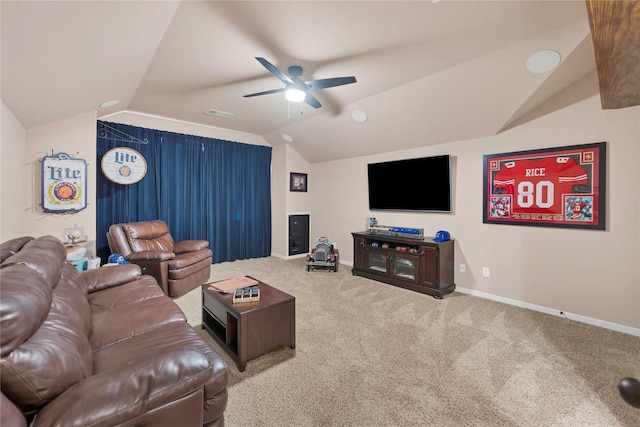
(589, 273)
(285, 202)
(22, 172)
(13, 204)
(279, 190)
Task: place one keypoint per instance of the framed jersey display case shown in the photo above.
(551, 187)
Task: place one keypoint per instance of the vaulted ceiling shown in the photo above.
(427, 72)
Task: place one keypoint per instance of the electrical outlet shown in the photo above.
(486, 272)
(463, 268)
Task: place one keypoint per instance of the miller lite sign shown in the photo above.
(64, 183)
(124, 165)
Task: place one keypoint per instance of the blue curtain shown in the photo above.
(203, 188)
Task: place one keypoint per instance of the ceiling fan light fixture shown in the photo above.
(295, 95)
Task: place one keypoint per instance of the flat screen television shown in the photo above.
(421, 184)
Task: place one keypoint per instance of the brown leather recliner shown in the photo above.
(178, 267)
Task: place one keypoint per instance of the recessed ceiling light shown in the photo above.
(287, 137)
(543, 61)
(109, 103)
(359, 116)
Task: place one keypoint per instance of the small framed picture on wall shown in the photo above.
(298, 182)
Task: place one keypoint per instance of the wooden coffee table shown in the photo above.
(249, 330)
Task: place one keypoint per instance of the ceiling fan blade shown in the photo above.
(311, 100)
(294, 82)
(266, 92)
(274, 70)
(325, 83)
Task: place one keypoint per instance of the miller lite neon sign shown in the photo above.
(64, 183)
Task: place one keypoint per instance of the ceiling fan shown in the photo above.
(297, 90)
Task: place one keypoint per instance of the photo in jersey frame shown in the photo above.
(551, 187)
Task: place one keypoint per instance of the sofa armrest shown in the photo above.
(150, 256)
(190, 246)
(109, 276)
(10, 414)
(114, 397)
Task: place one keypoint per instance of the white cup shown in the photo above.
(93, 262)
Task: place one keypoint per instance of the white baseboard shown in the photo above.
(554, 312)
(286, 257)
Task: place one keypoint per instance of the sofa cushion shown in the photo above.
(145, 346)
(129, 293)
(124, 395)
(175, 335)
(45, 320)
(189, 258)
(70, 299)
(44, 254)
(149, 236)
(23, 291)
(186, 264)
(190, 246)
(111, 276)
(55, 357)
(11, 247)
(10, 414)
(128, 320)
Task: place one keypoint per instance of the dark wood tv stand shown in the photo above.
(421, 265)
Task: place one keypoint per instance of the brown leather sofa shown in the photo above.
(105, 347)
(178, 267)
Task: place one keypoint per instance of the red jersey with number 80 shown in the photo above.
(538, 185)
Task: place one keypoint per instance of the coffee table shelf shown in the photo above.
(251, 329)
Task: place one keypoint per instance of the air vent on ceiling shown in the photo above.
(218, 113)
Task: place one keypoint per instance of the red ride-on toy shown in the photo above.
(323, 255)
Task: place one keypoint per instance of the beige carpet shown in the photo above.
(371, 354)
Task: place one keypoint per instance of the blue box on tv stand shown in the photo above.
(405, 230)
(412, 233)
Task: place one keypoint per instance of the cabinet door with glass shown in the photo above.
(404, 266)
(376, 260)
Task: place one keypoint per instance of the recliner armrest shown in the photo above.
(150, 256)
(110, 276)
(115, 397)
(190, 246)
